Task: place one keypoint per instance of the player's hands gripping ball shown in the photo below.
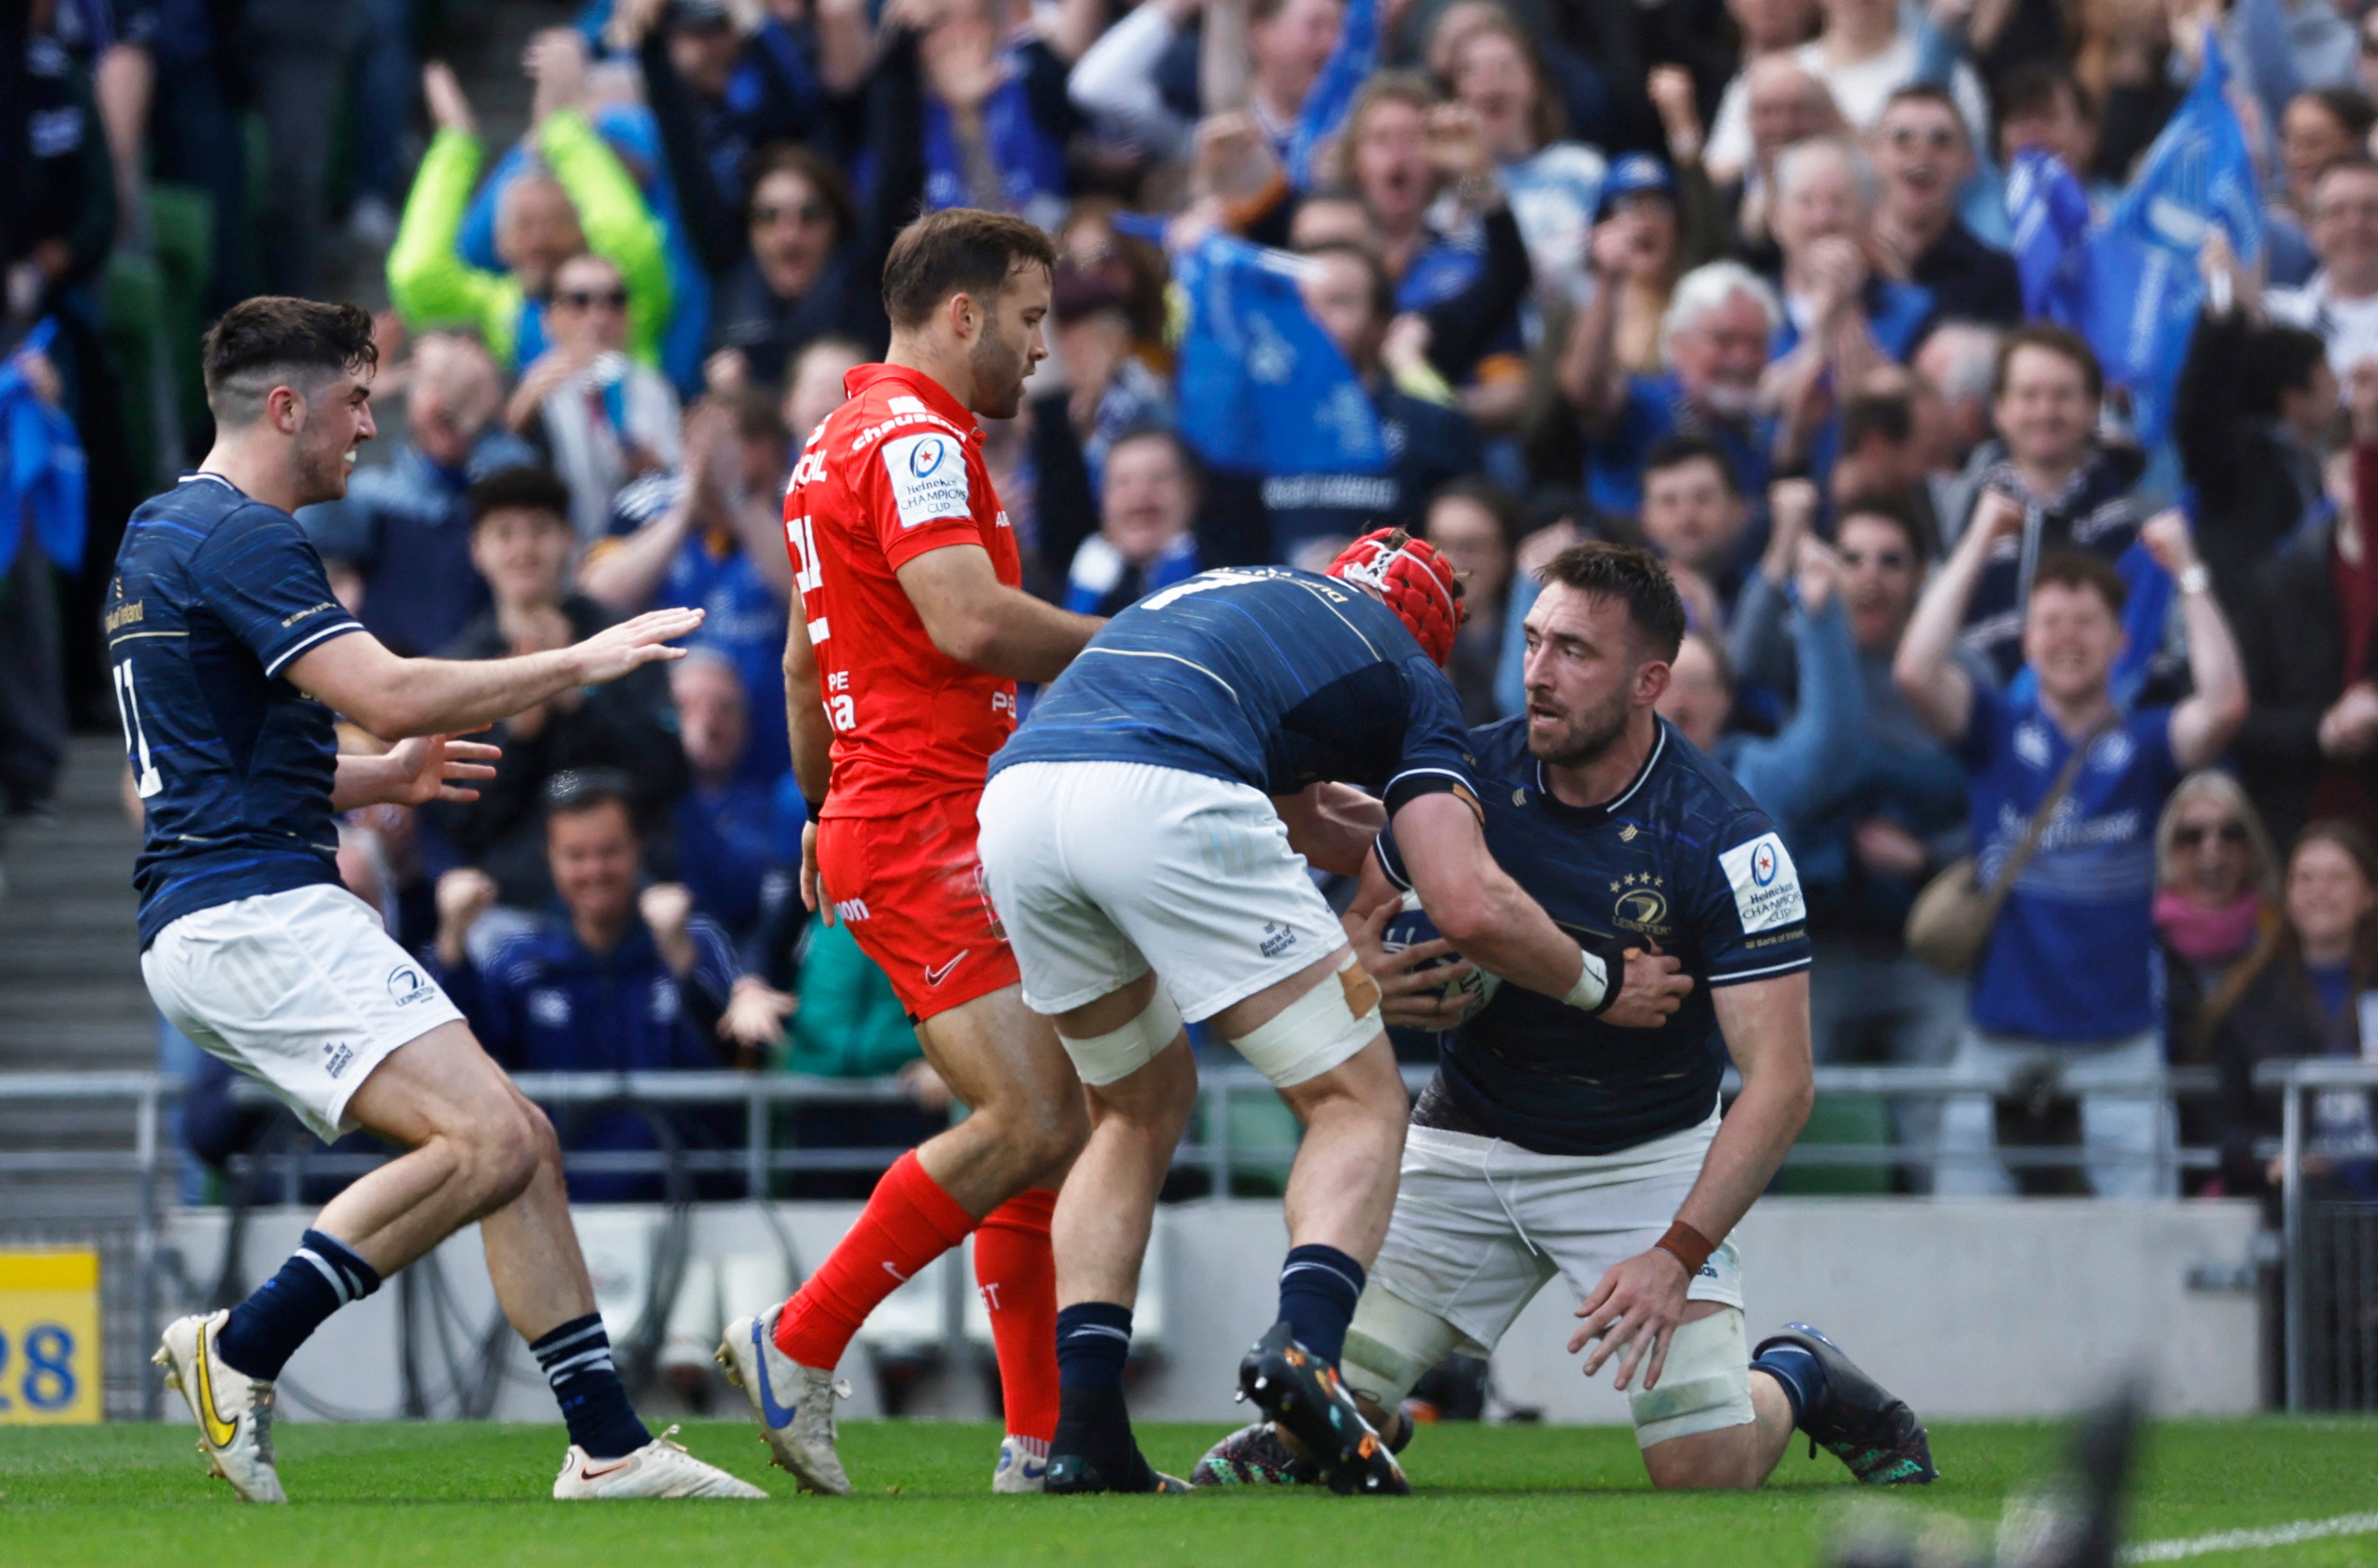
(1424, 984)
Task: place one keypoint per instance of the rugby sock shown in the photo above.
(322, 1276)
(1017, 1274)
(576, 1362)
(1093, 1343)
(908, 1223)
(1318, 1288)
(1801, 1375)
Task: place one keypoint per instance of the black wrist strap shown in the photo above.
(1614, 970)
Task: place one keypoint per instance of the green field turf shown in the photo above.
(477, 1495)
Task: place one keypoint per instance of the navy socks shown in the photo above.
(1800, 1373)
(265, 1330)
(1093, 1343)
(1318, 1288)
(576, 1359)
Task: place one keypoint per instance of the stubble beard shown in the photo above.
(1589, 737)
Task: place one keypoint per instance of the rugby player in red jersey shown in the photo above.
(900, 672)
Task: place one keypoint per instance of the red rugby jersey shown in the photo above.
(892, 474)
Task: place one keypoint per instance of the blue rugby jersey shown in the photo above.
(1274, 677)
(215, 594)
(1681, 857)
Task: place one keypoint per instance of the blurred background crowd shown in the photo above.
(1822, 299)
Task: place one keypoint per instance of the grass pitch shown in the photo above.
(477, 1495)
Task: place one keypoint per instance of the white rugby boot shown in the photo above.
(660, 1468)
(1019, 1469)
(234, 1410)
(795, 1404)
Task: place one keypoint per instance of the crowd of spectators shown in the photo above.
(1734, 279)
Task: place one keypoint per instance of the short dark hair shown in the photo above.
(1155, 430)
(1869, 413)
(583, 789)
(2078, 569)
(2033, 89)
(1383, 286)
(1890, 509)
(755, 414)
(1478, 491)
(961, 250)
(1674, 451)
(2056, 341)
(2277, 359)
(782, 158)
(259, 341)
(1636, 577)
(1928, 92)
(526, 488)
(2349, 106)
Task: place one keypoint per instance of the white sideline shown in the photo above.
(2250, 1540)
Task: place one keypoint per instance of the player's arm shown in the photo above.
(413, 773)
(813, 737)
(1492, 922)
(1636, 1306)
(980, 622)
(1410, 995)
(396, 697)
(1332, 825)
(1926, 670)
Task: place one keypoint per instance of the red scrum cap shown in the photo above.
(1415, 581)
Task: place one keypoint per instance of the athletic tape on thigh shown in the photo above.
(1391, 1345)
(1705, 1385)
(1319, 1030)
(1119, 1053)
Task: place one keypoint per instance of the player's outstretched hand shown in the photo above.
(616, 650)
(1653, 990)
(1633, 1313)
(438, 767)
(1410, 996)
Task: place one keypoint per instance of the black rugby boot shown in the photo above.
(1864, 1425)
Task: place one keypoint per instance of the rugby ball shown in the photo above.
(1409, 927)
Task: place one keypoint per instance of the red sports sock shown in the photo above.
(1018, 1277)
(908, 1223)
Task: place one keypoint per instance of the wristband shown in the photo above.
(1688, 1246)
(816, 808)
(1597, 988)
(2196, 577)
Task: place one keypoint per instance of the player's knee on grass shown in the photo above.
(1320, 1030)
(1391, 1345)
(1705, 1387)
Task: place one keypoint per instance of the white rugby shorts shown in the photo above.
(302, 991)
(1102, 870)
(1482, 1224)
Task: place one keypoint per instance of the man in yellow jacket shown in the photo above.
(581, 198)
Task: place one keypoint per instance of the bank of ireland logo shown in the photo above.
(925, 457)
(1763, 865)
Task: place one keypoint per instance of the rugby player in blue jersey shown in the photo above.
(1550, 1144)
(230, 657)
(1152, 821)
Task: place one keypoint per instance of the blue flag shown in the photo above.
(2131, 285)
(1263, 389)
(1332, 93)
(42, 470)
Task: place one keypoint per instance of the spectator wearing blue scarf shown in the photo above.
(1144, 541)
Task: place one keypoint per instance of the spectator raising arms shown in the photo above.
(581, 198)
(2068, 976)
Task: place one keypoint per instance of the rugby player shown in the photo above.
(900, 674)
(1158, 808)
(230, 656)
(1552, 1144)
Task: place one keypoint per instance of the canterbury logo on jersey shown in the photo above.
(850, 910)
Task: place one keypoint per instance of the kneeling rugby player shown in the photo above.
(1550, 1144)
